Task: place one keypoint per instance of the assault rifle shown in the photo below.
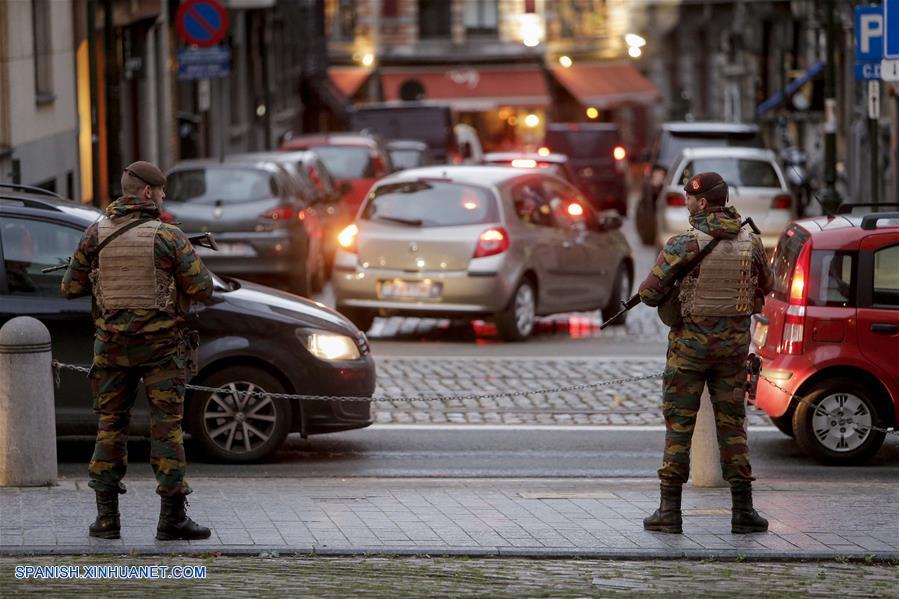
(635, 299)
(206, 240)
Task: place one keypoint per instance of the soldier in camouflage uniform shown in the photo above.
(142, 282)
(708, 345)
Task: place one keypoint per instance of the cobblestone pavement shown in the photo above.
(392, 577)
(588, 518)
(637, 403)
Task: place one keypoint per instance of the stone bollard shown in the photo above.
(705, 463)
(27, 412)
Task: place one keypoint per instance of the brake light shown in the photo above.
(491, 242)
(675, 199)
(619, 153)
(575, 209)
(301, 214)
(782, 202)
(347, 238)
(794, 318)
(524, 163)
(281, 213)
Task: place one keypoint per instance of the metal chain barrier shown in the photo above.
(58, 366)
(819, 409)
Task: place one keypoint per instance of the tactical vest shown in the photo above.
(726, 284)
(125, 276)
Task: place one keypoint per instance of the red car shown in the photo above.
(352, 158)
(830, 335)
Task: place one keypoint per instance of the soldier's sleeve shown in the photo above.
(763, 267)
(668, 265)
(76, 282)
(191, 275)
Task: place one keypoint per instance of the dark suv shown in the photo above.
(673, 138)
(598, 158)
(252, 337)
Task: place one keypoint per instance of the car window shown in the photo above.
(832, 281)
(886, 276)
(569, 207)
(347, 162)
(226, 184)
(431, 204)
(738, 172)
(672, 144)
(31, 245)
(532, 205)
(784, 259)
(403, 159)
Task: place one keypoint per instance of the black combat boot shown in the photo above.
(668, 517)
(174, 525)
(108, 524)
(745, 519)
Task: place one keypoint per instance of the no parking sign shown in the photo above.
(202, 23)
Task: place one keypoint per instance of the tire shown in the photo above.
(784, 424)
(361, 317)
(844, 438)
(223, 435)
(621, 292)
(516, 322)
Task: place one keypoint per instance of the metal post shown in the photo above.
(27, 413)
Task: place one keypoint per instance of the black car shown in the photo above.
(252, 338)
(596, 154)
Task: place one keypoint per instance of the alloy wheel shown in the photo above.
(842, 422)
(525, 308)
(239, 423)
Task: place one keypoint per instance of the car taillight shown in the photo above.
(347, 238)
(491, 242)
(280, 214)
(675, 199)
(524, 163)
(782, 202)
(619, 153)
(794, 318)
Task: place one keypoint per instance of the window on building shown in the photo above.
(434, 19)
(43, 51)
(341, 20)
(480, 18)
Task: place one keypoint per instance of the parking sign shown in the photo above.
(869, 33)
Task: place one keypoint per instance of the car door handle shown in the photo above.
(885, 328)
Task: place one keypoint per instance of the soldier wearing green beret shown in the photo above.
(143, 274)
(708, 345)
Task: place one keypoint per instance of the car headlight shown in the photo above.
(329, 346)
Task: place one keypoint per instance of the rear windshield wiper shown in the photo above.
(412, 222)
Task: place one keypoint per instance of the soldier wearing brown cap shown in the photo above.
(143, 274)
(708, 344)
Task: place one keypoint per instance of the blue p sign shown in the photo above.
(868, 33)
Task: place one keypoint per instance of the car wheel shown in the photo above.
(621, 292)
(784, 424)
(516, 322)
(232, 427)
(834, 423)
(361, 317)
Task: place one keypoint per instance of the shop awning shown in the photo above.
(470, 89)
(348, 79)
(793, 87)
(606, 85)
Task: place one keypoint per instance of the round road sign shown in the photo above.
(202, 23)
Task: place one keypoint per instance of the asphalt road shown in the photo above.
(504, 451)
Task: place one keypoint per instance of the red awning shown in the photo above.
(606, 85)
(348, 79)
(472, 89)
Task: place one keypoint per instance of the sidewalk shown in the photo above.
(595, 518)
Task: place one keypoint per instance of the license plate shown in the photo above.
(399, 289)
(244, 250)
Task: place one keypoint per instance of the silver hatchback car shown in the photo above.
(480, 242)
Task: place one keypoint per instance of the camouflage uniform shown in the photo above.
(705, 350)
(131, 345)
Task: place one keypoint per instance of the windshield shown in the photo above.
(227, 184)
(673, 144)
(403, 159)
(347, 162)
(431, 204)
(736, 171)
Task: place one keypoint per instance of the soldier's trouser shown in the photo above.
(116, 373)
(682, 389)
